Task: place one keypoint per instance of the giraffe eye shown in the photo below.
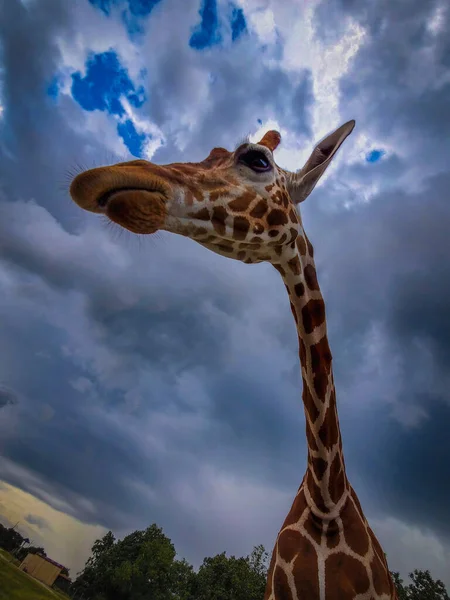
(255, 160)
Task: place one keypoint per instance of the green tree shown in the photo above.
(141, 566)
(423, 587)
(10, 539)
(401, 589)
(231, 578)
(184, 581)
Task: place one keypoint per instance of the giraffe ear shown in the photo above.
(301, 183)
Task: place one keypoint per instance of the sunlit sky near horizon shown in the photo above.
(150, 380)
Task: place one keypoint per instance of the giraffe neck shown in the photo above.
(325, 483)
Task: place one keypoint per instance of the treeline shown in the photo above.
(12, 541)
(144, 566)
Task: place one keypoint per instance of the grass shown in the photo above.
(17, 585)
(9, 557)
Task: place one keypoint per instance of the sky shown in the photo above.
(148, 380)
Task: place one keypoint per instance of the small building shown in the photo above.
(63, 583)
(42, 568)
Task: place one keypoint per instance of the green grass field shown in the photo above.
(16, 585)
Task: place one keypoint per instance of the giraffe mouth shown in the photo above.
(104, 198)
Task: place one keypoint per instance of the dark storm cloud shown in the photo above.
(38, 521)
(7, 397)
(392, 272)
(120, 354)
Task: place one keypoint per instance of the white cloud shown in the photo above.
(409, 547)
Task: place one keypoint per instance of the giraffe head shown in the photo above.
(239, 204)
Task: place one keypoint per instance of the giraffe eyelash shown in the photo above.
(243, 140)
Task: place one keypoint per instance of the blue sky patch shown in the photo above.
(132, 15)
(104, 5)
(53, 87)
(259, 121)
(206, 34)
(238, 23)
(133, 140)
(104, 84)
(374, 155)
(142, 8)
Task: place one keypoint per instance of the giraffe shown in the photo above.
(242, 205)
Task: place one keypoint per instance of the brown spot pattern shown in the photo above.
(321, 355)
(316, 493)
(241, 227)
(333, 535)
(216, 194)
(294, 234)
(225, 248)
(259, 210)
(337, 480)
(218, 219)
(299, 289)
(309, 403)
(311, 277)
(306, 571)
(380, 577)
(201, 215)
(301, 245)
(311, 440)
(276, 217)
(281, 584)
(302, 352)
(319, 466)
(355, 532)
(313, 314)
(196, 192)
(328, 432)
(242, 203)
(294, 265)
(345, 577)
(297, 508)
(313, 526)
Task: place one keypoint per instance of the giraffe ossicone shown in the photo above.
(242, 205)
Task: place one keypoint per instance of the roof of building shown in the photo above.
(53, 562)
